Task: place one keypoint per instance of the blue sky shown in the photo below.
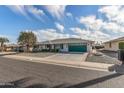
(93, 22)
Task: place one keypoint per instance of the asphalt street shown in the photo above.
(15, 73)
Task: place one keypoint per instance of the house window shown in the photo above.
(47, 46)
(110, 45)
(61, 46)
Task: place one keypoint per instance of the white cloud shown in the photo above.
(80, 31)
(56, 10)
(38, 13)
(59, 27)
(69, 14)
(91, 22)
(19, 9)
(49, 34)
(113, 27)
(95, 28)
(114, 13)
(90, 35)
(100, 27)
(87, 20)
(25, 10)
(110, 11)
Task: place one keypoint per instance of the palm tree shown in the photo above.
(2, 41)
(27, 38)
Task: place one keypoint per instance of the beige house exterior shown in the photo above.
(57, 45)
(67, 45)
(113, 45)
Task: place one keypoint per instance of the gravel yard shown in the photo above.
(44, 54)
(102, 59)
(110, 53)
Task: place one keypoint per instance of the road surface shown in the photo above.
(15, 73)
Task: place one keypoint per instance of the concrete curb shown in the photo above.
(85, 56)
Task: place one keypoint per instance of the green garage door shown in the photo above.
(77, 48)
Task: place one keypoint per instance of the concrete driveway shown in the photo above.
(57, 57)
(68, 57)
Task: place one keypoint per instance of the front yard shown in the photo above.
(104, 58)
(110, 53)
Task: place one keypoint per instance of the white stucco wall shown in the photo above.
(65, 48)
(43, 47)
(52, 46)
(57, 46)
(89, 47)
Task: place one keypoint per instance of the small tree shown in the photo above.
(27, 38)
(2, 41)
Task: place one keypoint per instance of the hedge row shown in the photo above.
(46, 50)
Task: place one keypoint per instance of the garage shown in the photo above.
(77, 48)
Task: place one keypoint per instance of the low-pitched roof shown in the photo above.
(117, 39)
(66, 40)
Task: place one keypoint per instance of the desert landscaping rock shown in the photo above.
(102, 59)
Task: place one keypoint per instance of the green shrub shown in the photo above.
(45, 50)
(54, 50)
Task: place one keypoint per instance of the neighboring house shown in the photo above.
(67, 45)
(15, 47)
(11, 47)
(114, 45)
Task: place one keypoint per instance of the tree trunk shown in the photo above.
(28, 50)
(2, 46)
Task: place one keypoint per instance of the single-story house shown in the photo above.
(67, 45)
(16, 48)
(114, 45)
(12, 47)
(8, 47)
